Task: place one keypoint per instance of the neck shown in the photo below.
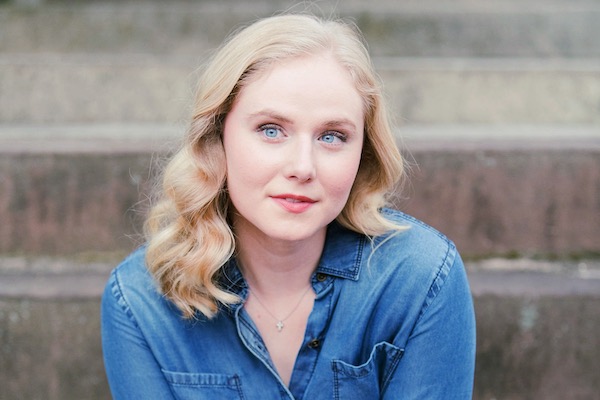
(273, 267)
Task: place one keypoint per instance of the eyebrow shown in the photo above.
(340, 122)
(271, 114)
(327, 125)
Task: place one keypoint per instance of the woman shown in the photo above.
(272, 270)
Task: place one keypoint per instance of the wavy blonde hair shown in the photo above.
(189, 237)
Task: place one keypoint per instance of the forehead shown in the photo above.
(307, 82)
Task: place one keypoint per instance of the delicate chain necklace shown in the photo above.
(280, 321)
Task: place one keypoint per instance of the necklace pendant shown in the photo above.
(279, 326)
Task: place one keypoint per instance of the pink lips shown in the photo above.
(293, 203)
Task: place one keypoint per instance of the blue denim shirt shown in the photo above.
(392, 319)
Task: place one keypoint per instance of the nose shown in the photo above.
(301, 162)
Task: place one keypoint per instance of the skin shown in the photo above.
(293, 141)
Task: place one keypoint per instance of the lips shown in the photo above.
(294, 203)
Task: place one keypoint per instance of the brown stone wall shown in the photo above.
(489, 201)
(503, 202)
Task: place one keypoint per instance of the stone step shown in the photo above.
(536, 327)
(505, 189)
(142, 89)
(437, 28)
(84, 276)
(495, 190)
(47, 278)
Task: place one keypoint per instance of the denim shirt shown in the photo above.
(392, 319)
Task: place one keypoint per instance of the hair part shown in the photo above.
(188, 232)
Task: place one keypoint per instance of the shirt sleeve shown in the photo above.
(439, 357)
(131, 368)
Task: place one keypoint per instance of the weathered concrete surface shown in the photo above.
(502, 201)
(50, 350)
(409, 28)
(537, 324)
(535, 340)
(465, 91)
(537, 348)
(60, 204)
(82, 89)
(152, 89)
(491, 198)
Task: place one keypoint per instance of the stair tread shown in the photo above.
(45, 278)
(132, 137)
(544, 28)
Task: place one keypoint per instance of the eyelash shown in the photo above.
(339, 135)
(343, 138)
(263, 128)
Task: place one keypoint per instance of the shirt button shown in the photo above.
(314, 344)
(321, 277)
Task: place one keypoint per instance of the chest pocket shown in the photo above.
(198, 386)
(368, 380)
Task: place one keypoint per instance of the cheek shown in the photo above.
(236, 153)
(247, 168)
(237, 171)
(237, 165)
(340, 183)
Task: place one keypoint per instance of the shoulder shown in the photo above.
(412, 223)
(419, 255)
(417, 239)
(132, 271)
(131, 285)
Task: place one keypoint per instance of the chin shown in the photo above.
(293, 232)
(292, 236)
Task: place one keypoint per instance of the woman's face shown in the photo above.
(293, 141)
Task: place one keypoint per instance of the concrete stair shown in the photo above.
(537, 328)
(141, 88)
(504, 194)
(498, 105)
(427, 28)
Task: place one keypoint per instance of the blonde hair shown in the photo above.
(189, 237)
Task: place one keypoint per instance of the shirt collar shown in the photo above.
(343, 252)
(341, 258)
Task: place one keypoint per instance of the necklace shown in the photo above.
(280, 321)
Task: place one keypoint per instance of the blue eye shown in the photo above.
(333, 138)
(329, 138)
(270, 132)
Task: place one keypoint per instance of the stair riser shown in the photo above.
(489, 201)
(528, 347)
(469, 30)
(152, 91)
(510, 201)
